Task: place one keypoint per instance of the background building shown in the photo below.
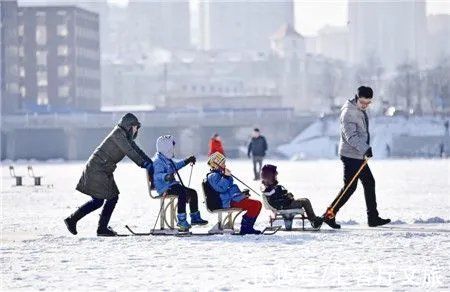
(164, 24)
(9, 61)
(438, 34)
(390, 33)
(240, 24)
(59, 59)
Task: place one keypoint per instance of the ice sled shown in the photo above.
(37, 179)
(167, 212)
(288, 215)
(18, 178)
(226, 217)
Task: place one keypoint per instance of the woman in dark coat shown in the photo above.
(97, 179)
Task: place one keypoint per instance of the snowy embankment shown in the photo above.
(37, 252)
(321, 138)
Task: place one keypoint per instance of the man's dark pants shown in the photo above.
(351, 166)
(257, 168)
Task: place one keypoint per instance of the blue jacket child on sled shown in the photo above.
(165, 170)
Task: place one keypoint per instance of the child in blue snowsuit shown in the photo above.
(164, 180)
(221, 181)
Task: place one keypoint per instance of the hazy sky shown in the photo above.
(311, 15)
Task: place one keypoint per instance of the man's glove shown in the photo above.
(368, 153)
(248, 155)
(191, 159)
(149, 166)
(169, 177)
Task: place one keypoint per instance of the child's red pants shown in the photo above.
(253, 207)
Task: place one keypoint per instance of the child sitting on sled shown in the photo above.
(221, 180)
(280, 199)
(164, 180)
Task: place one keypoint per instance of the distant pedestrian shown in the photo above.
(215, 145)
(257, 150)
(388, 150)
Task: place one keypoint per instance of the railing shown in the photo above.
(157, 118)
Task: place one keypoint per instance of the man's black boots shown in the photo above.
(332, 223)
(377, 221)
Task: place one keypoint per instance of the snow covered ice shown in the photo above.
(38, 252)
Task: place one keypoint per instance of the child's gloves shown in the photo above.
(191, 159)
(169, 177)
(290, 195)
(246, 193)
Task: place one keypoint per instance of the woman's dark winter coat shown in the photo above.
(97, 179)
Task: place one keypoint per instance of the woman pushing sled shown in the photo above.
(97, 180)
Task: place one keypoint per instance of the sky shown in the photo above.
(312, 15)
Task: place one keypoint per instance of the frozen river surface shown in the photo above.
(37, 252)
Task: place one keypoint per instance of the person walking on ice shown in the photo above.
(215, 145)
(257, 149)
(165, 170)
(354, 149)
(97, 179)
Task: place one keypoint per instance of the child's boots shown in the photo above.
(182, 224)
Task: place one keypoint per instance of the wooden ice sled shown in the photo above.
(225, 217)
(295, 214)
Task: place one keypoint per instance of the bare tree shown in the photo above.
(438, 86)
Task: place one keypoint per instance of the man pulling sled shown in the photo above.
(355, 150)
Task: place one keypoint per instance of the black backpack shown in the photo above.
(213, 201)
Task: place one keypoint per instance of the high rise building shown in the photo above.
(438, 38)
(332, 42)
(242, 24)
(388, 33)
(289, 48)
(158, 24)
(59, 55)
(9, 61)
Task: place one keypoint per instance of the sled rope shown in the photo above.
(217, 162)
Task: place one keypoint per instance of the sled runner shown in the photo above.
(265, 231)
(167, 212)
(288, 214)
(213, 205)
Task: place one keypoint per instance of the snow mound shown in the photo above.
(348, 222)
(321, 138)
(398, 222)
(431, 220)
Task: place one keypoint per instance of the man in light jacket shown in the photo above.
(354, 147)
